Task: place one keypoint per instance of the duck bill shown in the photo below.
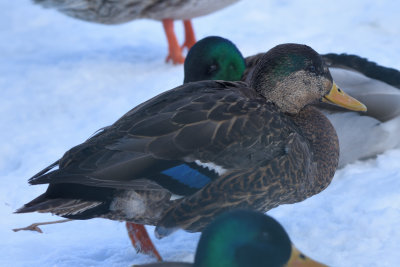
(337, 97)
(298, 259)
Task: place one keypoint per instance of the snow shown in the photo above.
(61, 79)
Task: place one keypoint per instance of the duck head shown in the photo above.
(246, 238)
(214, 58)
(293, 76)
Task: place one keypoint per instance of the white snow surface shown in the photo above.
(61, 79)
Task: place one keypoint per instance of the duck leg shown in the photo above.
(190, 38)
(141, 240)
(175, 51)
(35, 226)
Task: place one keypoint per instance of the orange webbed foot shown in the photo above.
(176, 58)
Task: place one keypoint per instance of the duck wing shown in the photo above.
(180, 141)
(376, 86)
(381, 99)
(368, 68)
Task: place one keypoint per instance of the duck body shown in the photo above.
(217, 136)
(193, 152)
(121, 11)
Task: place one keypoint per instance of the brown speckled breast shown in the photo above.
(325, 145)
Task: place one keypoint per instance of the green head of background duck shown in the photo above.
(214, 58)
(243, 238)
(247, 238)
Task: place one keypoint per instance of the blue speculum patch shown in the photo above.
(188, 176)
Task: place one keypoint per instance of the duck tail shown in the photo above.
(40, 204)
(60, 206)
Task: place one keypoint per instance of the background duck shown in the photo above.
(365, 135)
(216, 145)
(361, 135)
(116, 12)
(223, 243)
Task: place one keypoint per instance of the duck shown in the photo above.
(117, 12)
(365, 135)
(223, 243)
(183, 157)
(361, 135)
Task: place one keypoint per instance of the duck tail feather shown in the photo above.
(59, 206)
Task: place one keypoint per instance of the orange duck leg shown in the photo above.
(175, 51)
(190, 38)
(141, 240)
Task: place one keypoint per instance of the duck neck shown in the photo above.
(324, 143)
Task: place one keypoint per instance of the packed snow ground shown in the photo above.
(61, 79)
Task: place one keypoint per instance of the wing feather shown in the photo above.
(217, 122)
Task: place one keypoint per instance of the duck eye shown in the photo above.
(302, 256)
(264, 236)
(212, 68)
(312, 68)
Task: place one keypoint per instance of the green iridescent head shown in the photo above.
(243, 238)
(214, 58)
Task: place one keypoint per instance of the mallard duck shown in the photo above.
(361, 135)
(116, 12)
(244, 238)
(195, 151)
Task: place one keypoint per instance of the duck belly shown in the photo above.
(141, 207)
(184, 10)
(116, 12)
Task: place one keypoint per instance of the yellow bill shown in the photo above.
(298, 259)
(338, 97)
